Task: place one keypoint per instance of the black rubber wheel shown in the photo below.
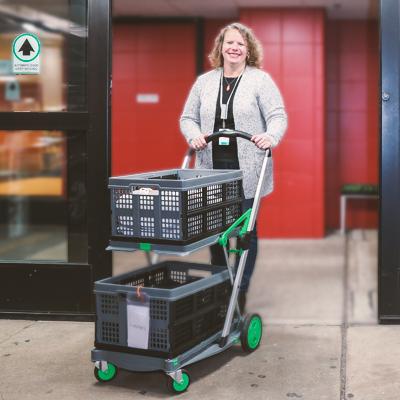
(251, 333)
(177, 388)
(108, 375)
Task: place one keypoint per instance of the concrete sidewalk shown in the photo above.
(321, 341)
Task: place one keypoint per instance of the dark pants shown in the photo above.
(218, 258)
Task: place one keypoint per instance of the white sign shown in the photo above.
(138, 319)
(12, 91)
(5, 67)
(26, 54)
(148, 98)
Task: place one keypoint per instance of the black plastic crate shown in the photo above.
(174, 206)
(188, 303)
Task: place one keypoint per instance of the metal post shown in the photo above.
(343, 199)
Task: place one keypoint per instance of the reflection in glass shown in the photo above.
(61, 28)
(36, 194)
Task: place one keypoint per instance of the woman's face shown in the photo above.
(234, 48)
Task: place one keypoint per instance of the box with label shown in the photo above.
(161, 310)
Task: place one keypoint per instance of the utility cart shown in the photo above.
(171, 314)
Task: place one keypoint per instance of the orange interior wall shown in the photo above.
(293, 42)
(157, 59)
(352, 118)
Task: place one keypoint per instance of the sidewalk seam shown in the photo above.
(345, 323)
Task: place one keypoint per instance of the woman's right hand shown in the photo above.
(199, 143)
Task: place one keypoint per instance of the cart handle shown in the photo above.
(226, 133)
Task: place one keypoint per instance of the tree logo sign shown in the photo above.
(26, 54)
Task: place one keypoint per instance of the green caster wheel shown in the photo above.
(108, 375)
(175, 387)
(251, 333)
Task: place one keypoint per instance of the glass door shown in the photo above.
(54, 160)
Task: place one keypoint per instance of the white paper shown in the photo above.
(146, 192)
(138, 318)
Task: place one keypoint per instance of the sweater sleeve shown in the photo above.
(190, 118)
(273, 109)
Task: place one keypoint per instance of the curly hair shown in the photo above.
(254, 48)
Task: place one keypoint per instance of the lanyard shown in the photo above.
(224, 107)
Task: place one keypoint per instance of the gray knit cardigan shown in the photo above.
(257, 108)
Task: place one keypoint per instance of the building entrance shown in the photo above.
(54, 126)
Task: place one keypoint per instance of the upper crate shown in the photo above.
(177, 206)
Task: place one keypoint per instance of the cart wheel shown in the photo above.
(251, 332)
(108, 375)
(175, 387)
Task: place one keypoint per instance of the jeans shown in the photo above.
(218, 258)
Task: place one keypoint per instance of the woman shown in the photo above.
(236, 94)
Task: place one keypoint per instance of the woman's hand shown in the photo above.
(199, 143)
(261, 141)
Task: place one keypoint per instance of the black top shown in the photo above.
(225, 156)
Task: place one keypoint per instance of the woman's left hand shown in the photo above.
(261, 141)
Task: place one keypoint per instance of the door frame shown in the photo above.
(37, 285)
(389, 221)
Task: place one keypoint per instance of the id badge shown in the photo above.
(224, 111)
(223, 141)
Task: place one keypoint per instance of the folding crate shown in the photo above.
(187, 304)
(177, 206)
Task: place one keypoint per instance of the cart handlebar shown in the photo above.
(228, 133)
(225, 133)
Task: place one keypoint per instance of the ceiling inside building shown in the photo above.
(335, 9)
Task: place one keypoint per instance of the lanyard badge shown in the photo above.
(224, 107)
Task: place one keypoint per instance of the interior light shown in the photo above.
(29, 27)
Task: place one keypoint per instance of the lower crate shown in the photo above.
(188, 303)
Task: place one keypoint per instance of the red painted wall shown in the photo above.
(293, 42)
(352, 117)
(151, 58)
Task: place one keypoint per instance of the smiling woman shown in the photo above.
(235, 95)
(246, 38)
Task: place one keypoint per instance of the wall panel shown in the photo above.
(156, 58)
(293, 43)
(352, 123)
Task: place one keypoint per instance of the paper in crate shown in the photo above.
(138, 321)
(186, 304)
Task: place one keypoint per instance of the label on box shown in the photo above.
(138, 324)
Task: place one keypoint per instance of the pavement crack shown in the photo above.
(16, 333)
(345, 320)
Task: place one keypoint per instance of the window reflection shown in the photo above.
(35, 194)
(60, 26)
